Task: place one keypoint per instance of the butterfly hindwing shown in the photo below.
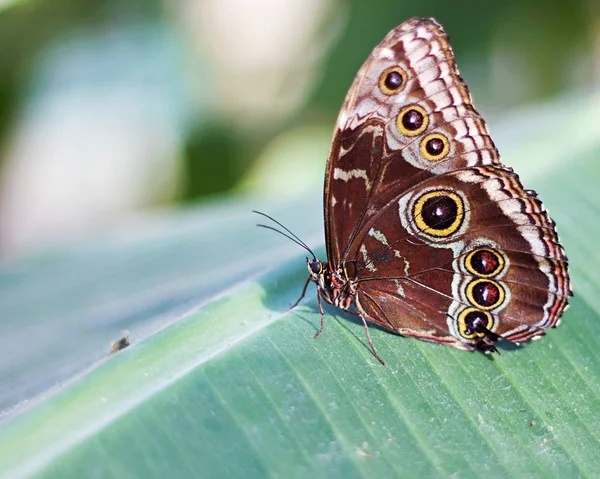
(469, 241)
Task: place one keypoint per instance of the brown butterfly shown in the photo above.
(427, 233)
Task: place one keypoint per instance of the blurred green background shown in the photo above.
(112, 107)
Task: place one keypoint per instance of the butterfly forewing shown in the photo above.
(373, 154)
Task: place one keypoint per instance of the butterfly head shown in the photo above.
(321, 275)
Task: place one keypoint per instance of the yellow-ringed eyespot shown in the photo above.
(485, 294)
(439, 213)
(412, 120)
(392, 80)
(473, 323)
(484, 262)
(434, 147)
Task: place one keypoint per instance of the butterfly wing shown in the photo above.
(409, 145)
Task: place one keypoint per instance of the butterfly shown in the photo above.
(427, 233)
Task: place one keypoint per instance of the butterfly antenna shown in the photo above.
(287, 236)
(291, 236)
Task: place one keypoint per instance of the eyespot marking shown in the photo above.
(484, 262)
(392, 80)
(473, 323)
(412, 120)
(485, 294)
(434, 147)
(439, 213)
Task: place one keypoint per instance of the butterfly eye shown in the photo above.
(434, 147)
(485, 294)
(392, 80)
(472, 323)
(439, 213)
(316, 267)
(484, 262)
(412, 120)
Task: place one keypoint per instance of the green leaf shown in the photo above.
(238, 386)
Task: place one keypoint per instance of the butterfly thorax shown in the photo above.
(337, 287)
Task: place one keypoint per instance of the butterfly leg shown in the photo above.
(373, 350)
(322, 315)
(301, 296)
(487, 343)
(318, 302)
(486, 346)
